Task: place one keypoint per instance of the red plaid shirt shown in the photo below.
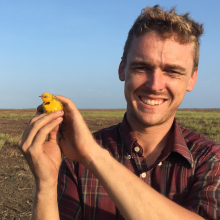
(187, 172)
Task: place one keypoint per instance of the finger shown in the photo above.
(78, 121)
(37, 125)
(54, 135)
(36, 117)
(30, 124)
(67, 103)
(37, 113)
(70, 107)
(70, 110)
(28, 128)
(40, 108)
(41, 121)
(42, 134)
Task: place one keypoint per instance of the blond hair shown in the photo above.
(166, 24)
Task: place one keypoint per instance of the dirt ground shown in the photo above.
(16, 180)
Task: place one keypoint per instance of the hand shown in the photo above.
(77, 142)
(43, 157)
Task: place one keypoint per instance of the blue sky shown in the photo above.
(73, 48)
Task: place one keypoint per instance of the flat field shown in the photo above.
(16, 181)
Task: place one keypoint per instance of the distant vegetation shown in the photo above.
(13, 140)
(16, 116)
(103, 113)
(204, 122)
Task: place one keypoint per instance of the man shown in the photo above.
(146, 167)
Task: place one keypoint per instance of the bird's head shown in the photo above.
(46, 97)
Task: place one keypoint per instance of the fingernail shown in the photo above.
(59, 112)
(59, 118)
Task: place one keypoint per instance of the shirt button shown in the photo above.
(159, 164)
(143, 175)
(137, 149)
(129, 157)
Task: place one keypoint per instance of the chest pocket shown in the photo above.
(172, 179)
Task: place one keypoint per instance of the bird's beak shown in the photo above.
(40, 96)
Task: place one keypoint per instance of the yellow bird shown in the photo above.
(50, 103)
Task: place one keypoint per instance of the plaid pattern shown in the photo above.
(187, 172)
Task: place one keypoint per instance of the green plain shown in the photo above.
(206, 123)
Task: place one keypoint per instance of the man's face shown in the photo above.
(157, 75)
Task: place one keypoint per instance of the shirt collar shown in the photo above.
(179, 144)
(127, 134)
(176, 142)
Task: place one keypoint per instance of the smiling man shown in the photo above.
(157, 73)
(146, 167)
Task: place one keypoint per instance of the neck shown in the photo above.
(151, 138)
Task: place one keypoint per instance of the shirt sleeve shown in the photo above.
(68, 195)
(204, 197)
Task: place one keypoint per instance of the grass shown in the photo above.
(13, 140)
(198, 115)
(204, 122)
(16, 116)
(116, 113)
(3, 138)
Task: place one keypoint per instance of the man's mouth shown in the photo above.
(152, 101)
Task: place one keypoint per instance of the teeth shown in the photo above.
(151, 102)
(146, 101)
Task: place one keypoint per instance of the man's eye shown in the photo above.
(172, 72)
(140, 68)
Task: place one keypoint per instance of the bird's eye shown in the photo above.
(46, 96)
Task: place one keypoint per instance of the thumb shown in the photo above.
(54, 135)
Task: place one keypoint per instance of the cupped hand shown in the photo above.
(77, 142)
(43, 157)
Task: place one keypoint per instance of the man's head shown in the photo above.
(166, 24)
(159, 64)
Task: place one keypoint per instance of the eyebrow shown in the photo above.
(176, 67)
(166, 66)
(141, 63)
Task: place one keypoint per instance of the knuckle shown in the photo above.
(42, 131)
(68, 102)
(19, 142)
(30, 151)
(32, 120)
(36, 124)
(22, 148)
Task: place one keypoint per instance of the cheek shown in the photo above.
(134, 82)
(177, 89)
(130, 86)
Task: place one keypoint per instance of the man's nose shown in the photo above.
(155, 80)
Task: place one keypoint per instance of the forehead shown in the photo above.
(153, 48)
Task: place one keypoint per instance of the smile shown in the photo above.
(151, 101)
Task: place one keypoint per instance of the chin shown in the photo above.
(147, 120)
(150, 123)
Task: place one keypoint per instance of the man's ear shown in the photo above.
(192, 81)
(121, 71)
